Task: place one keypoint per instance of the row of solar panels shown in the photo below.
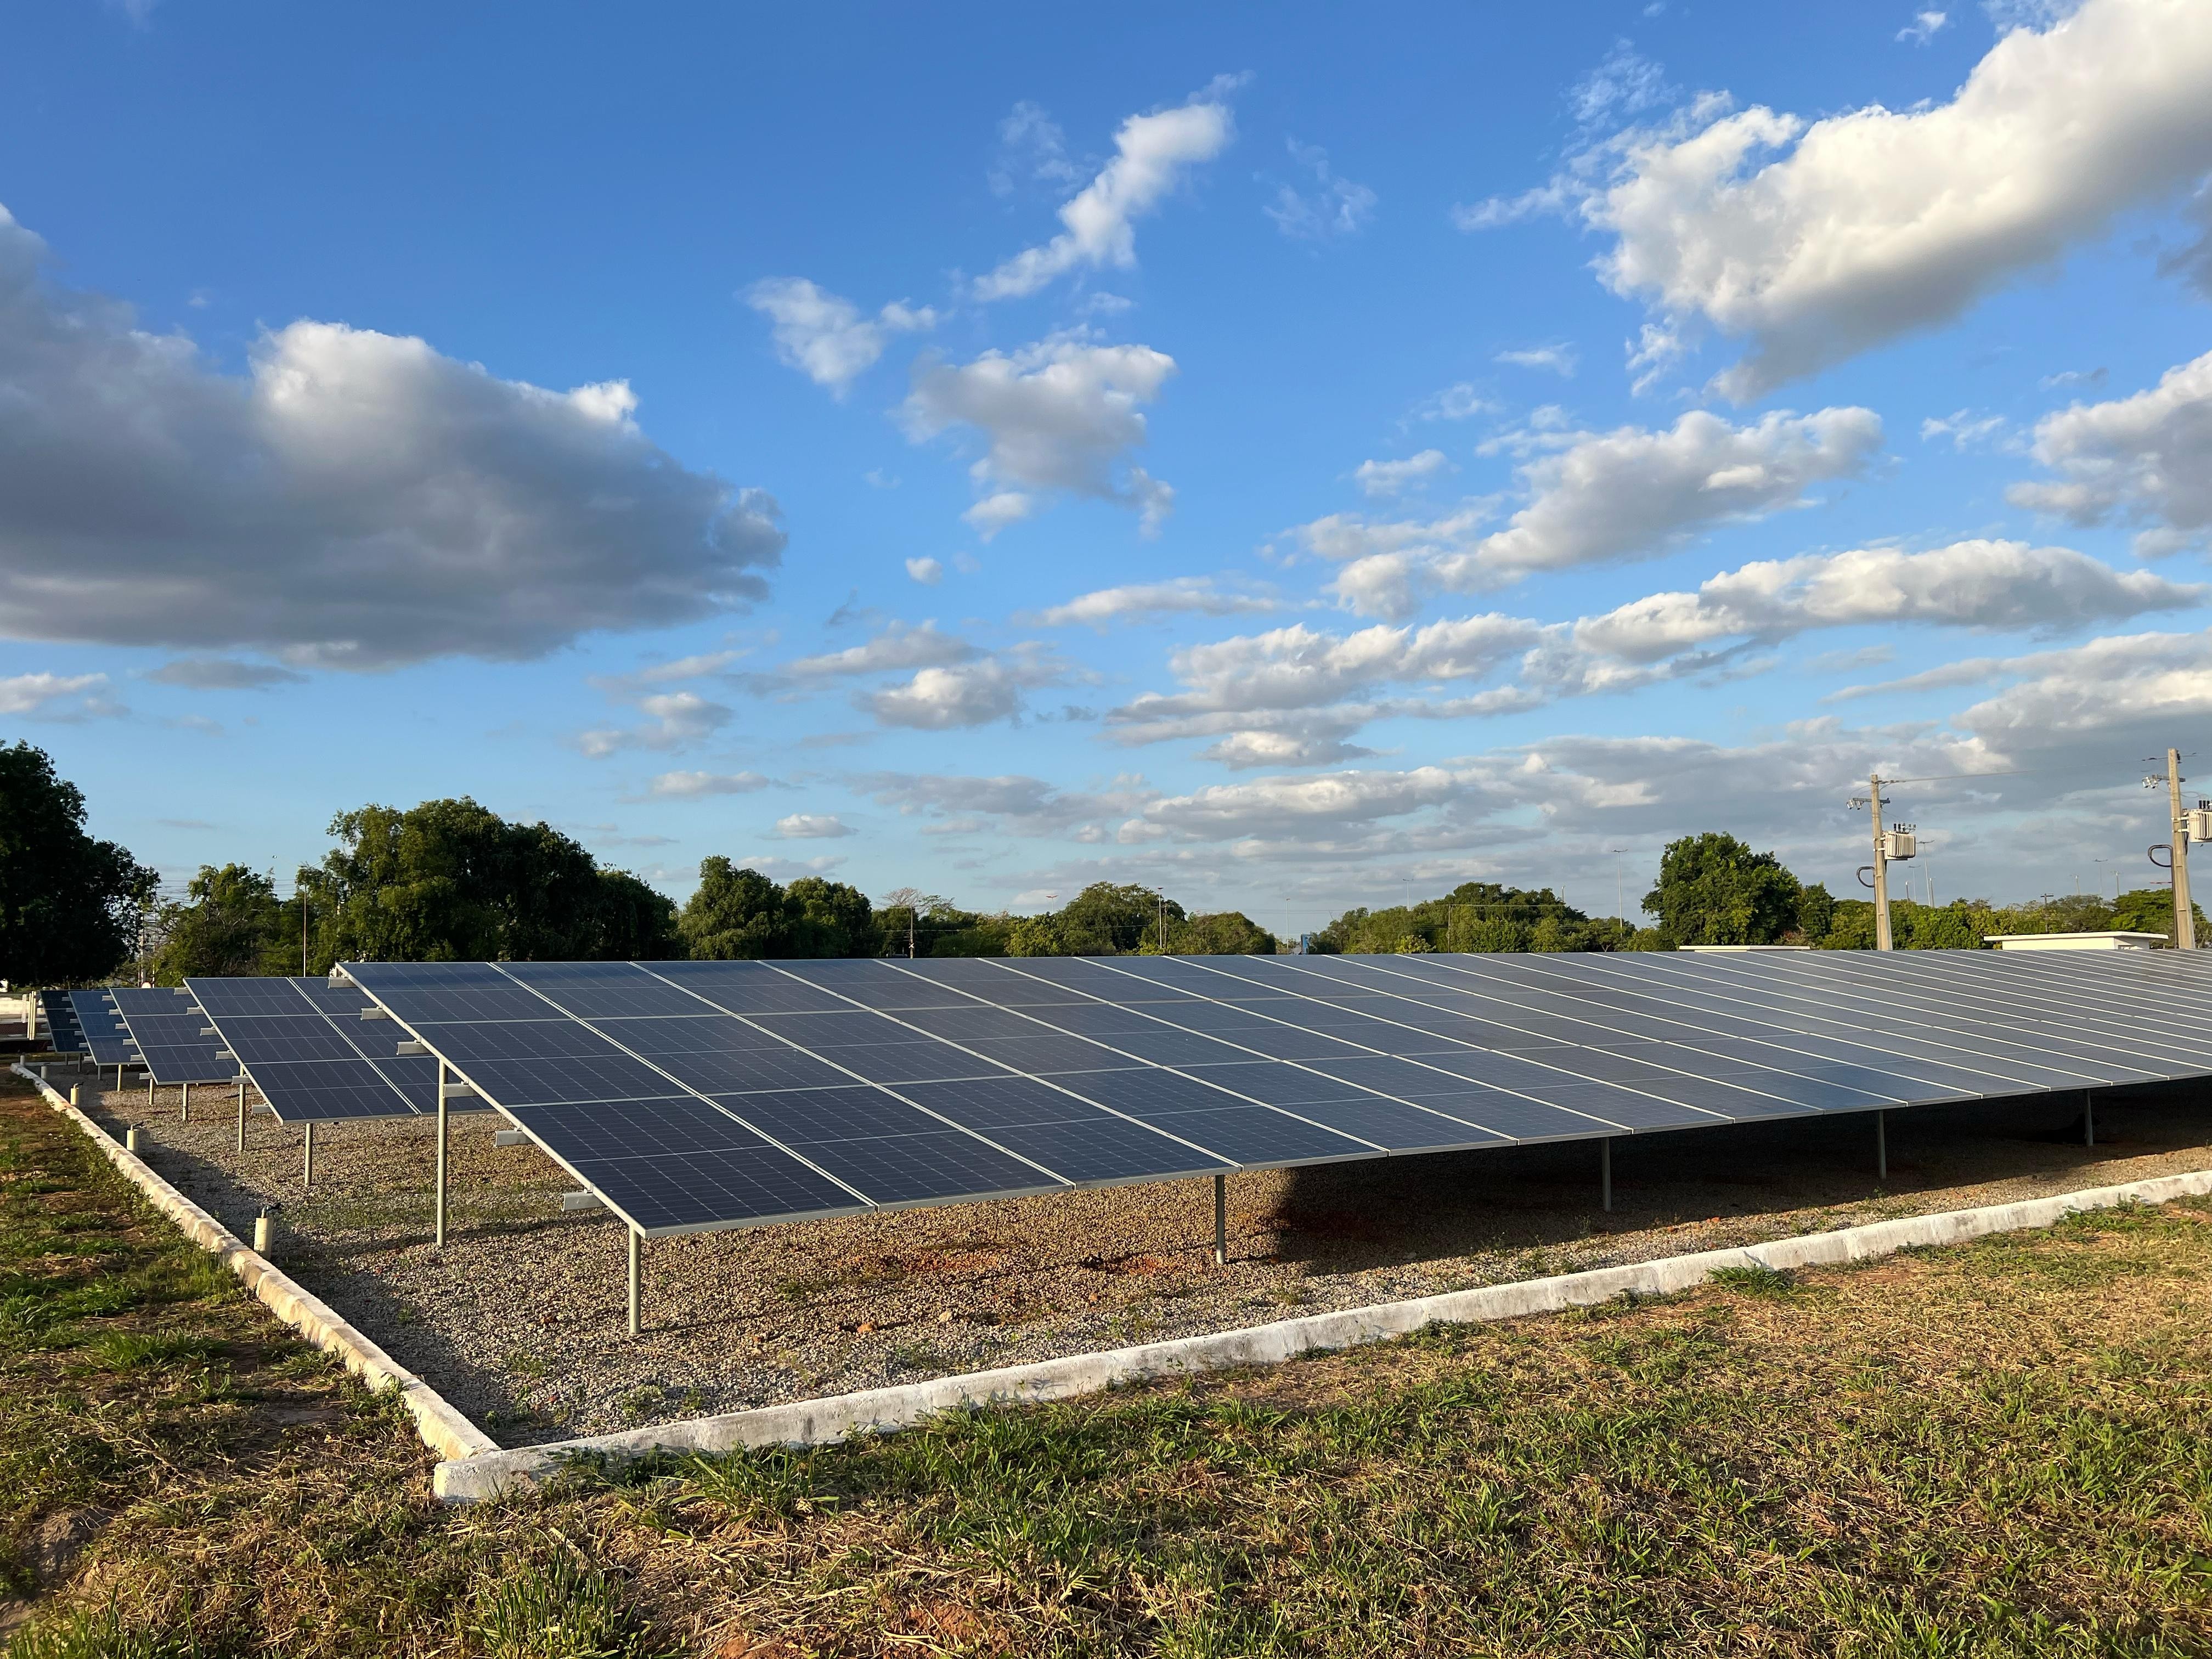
(299, 1043)
(692, 1095)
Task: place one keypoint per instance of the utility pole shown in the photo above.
(2185, 915)
(1163, 899)
(1899, 846)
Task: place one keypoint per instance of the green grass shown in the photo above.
(1993, 1450)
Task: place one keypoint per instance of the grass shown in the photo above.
(1996, 1449)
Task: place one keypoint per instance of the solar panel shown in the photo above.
(302, 1043)
(106, 1038)
(58, 1023)
(702, 1095)
(166, 1029)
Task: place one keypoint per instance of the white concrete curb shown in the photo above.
(443, 1429)
(819, 1422)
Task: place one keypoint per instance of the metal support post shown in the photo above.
(241, 1114)
(1881, 1145)
(307, 1156)
(150, 1091)
(637, 1277)
(1221, 1221)
(1605, 1175)
(438, 1209)
(185, 1103)
(2088, 1119)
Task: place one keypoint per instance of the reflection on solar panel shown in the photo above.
(105, 1038)
(165, 1031)
(299, 1043)
(700, 1095)
(57, 1025)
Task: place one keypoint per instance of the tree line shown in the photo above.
(450, 880)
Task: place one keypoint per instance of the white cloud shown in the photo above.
(1152, 154)
(999, 510)
(825, 338)
(1032, 151)
(696, 786)
(957, 804)
(928, 572)
(810, 826)
(1625, 84)
(1335, 207)
(1293, 696)
(1964, 427)
(1457, 402)
(57, 696)
(1923, 26)
(1184, 595)
(1392, 477)
(900, 647)
(1871, 224)
(1599, 498)
(674, 719)
(1559, 360)
(223, 674)
(2146, 459)
(354, 500)
(1061, 414)
(949, 699)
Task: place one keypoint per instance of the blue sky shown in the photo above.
(1255, 453)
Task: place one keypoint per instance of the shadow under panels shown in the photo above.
(702, 1094)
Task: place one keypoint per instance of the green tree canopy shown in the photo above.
(1476, 916)
(450, 881)
(231, 926)
(69, 905)
(1106, 919)
(1223, 933)
(1714, 890)
(739, 913)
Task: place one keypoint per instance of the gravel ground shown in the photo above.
(519, 1320)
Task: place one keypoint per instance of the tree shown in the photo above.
(450, 881)
(1105, 920)
(2150, 910)
(232, 926)
(69, 905)
(1714, 890)
(1038, 936)
(636, 923)
(1223, 933)
(735, 913)
(828, 919)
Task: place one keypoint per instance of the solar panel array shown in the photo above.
(299, 1042)
(700, 1095)
(58, 1023)
(165, 1029)
(106, 1038)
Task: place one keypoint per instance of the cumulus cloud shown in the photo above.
(1153, 153)
(825, 338)
(812, 826)
(899, 647)
(1182, 595)
(1817, 241)
(1333, 207)
(1392, 477)
(1059, 416)
(1458, 402)
(57, 696)
(697, 786)
(1599, 497)
(2146, 459)
(928, 572)
(223, 674)
(354, 500)
(1924, 27)
(968, 693)
(672, 720)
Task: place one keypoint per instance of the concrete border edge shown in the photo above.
(444, 1429)
(824, 1421)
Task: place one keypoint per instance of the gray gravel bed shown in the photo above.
(519, 1320)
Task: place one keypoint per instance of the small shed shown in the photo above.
(2115, 939)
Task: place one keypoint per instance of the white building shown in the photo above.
(2115, 940)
